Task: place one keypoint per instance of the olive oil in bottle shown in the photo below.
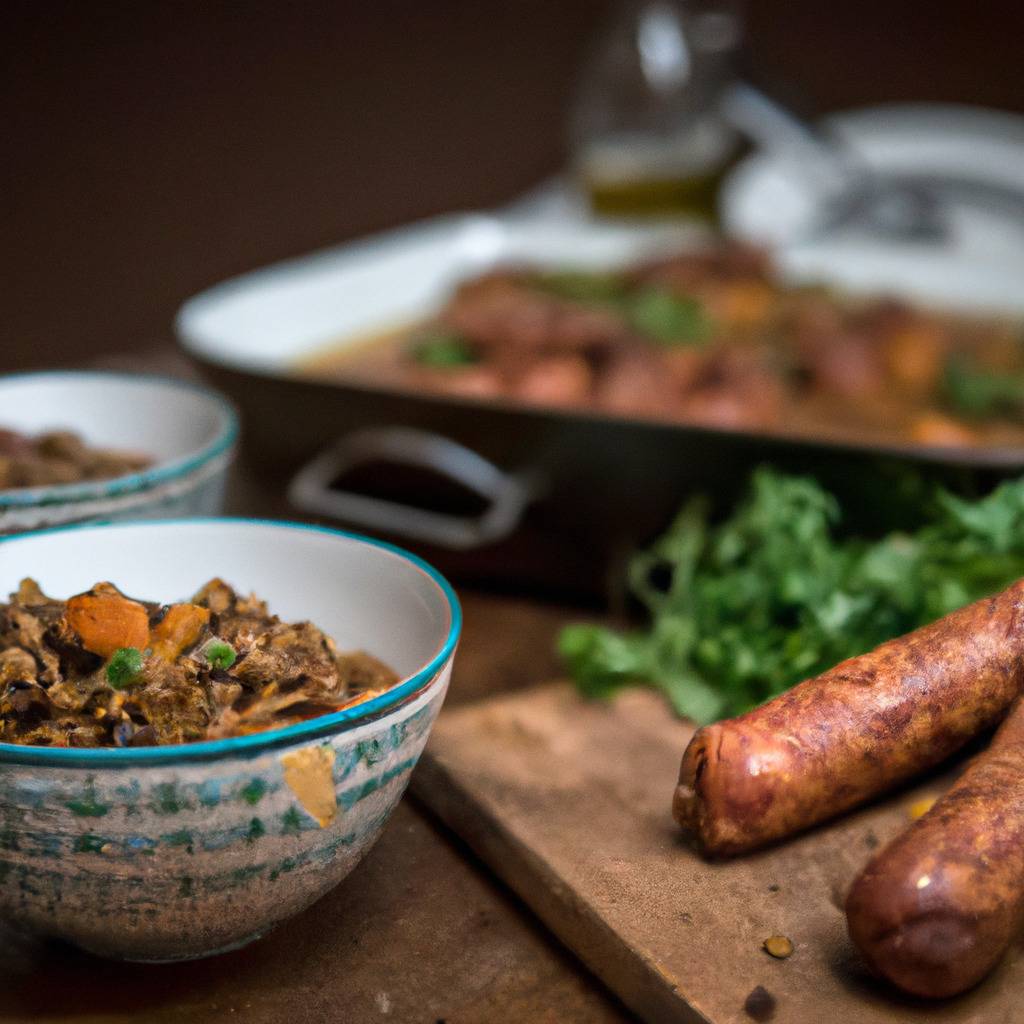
(646, 134)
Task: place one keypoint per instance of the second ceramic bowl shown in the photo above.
(189, 431)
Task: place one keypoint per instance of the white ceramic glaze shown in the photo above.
(166, 853)
(189, 431)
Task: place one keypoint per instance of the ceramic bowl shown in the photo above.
(188, 430)
(177, 852)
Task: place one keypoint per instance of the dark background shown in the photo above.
(150, 149)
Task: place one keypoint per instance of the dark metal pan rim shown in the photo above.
(1002, 457)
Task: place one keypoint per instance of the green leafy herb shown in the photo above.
(220, 655)
(582, 285)
(124, 667)
(661, 315)
(667, 318)
(743, 610)
(443, 350)
(973, 391)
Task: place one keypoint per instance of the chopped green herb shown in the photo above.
(582, 285)
(667, 318)
(973, 391)
(124, 667)
(442, 349)
(741, 611)
(220, 655)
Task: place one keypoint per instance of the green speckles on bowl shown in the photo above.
(254, 791)
(167, 800)
(291, 822)
(85, 805)
(174, 861)
(371, 752)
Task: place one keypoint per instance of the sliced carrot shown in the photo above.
(105, 620)
(178, 630)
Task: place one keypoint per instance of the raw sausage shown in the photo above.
(936, 909)
(862, 727)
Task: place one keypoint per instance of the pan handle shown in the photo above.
(509, 493)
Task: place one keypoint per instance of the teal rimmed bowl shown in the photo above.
(169, 853)
(189, 431)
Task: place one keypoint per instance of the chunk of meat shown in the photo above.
(290, 655)
(736, 388)
(501, 311)
(846, 364)
(555, 380)
(16, 664)
(171, 699)
(632, 384)
(217, 596)
(238, 621)
(25, 630)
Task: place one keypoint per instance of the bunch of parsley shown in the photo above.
(744, 609)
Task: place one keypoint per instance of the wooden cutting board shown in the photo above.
(568, 801)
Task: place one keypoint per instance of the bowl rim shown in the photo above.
(260, 742)
(130, 483)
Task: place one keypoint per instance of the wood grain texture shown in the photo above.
(569, 801)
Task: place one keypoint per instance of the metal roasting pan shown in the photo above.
(555, 500)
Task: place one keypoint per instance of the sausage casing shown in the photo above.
(936, 909)
(861, 728)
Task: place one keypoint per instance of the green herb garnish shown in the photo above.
(977, 392)
(667, 318)
(743, 610)
(581, 285)
(124, 667)
(220, 655)
(443, 350)
(663, 316)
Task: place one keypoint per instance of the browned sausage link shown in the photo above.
(859, 729)
(936, 909)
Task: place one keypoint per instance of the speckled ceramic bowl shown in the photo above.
(167, 853)
(189, 431)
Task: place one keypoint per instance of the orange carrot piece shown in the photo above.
(178, 630)
(105, 620)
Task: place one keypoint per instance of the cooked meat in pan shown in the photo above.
(60, 457)
(712, 337)
(103, 669)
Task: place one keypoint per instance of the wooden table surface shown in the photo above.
(420, 932)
